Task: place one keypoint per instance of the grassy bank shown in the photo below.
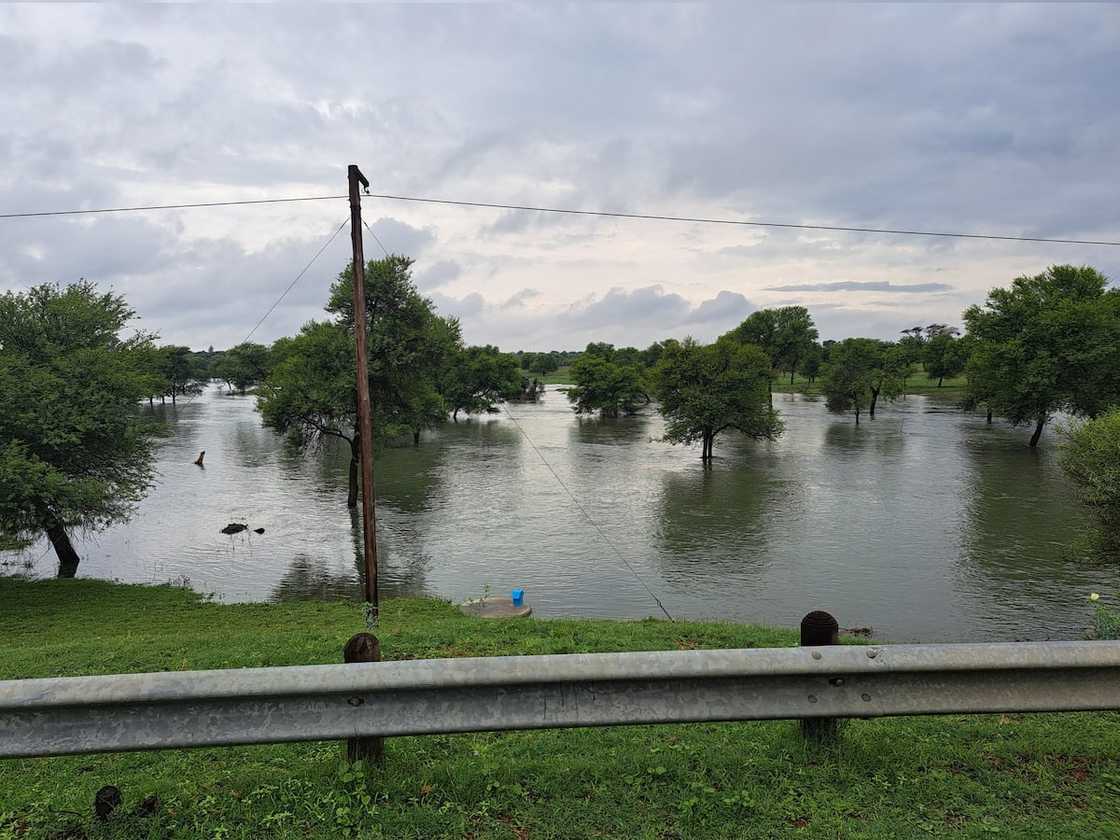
(560, 376)
(916, 383)
(1014, 776)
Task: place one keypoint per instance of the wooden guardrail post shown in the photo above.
(363, 647)
(819, 628)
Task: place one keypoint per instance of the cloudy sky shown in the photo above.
(991, 119)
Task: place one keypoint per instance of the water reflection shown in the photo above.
(924, 523)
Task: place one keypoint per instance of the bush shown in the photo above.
(1091, 457)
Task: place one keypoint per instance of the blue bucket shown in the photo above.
(518, 597)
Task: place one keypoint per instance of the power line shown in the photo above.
(170, 206)
(743, 222)
(705, 220)
(291, 286)
(375, 237)
(586, 515)
(299, 276)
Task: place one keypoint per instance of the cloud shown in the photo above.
(968, 118)
(863, 286)
(436, 275)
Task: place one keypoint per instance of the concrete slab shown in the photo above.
(494, 607)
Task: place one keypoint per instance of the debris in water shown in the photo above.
(234, 528)
(258, 530)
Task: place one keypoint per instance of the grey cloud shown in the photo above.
(979, 118)
(862, 286)
(436, 275)
(520, 298)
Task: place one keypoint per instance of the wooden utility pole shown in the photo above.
(365, 424)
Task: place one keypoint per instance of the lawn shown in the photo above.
(916, 383)
(560, 376)
(1006, 775)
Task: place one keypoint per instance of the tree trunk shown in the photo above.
(791, 378)
(68, 558)
(770, 390)
(940, 379)
(416, 437)
(163, 399)
(857, 415)
(989, 416)
(1037, 431)
(455, 416)
(874, 399)
(352, 492)
(151, 403)
(173, 398)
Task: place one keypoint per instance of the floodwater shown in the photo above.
(925, 524)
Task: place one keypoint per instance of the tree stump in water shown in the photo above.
(198, 460)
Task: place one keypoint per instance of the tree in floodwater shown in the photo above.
(1091, 457)
(311, 393)
(605, 385)
(812, 361)
(1046, 344)
(242, 366)
(75, 453)
(786, 334)
(479, 378)
(410, 347)
(943, 353)
(703, 390)
(859, 371)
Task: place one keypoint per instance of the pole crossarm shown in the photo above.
(59, 716)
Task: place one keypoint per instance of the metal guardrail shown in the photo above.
(60, 716)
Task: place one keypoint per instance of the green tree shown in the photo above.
(311, 394)
(243, 366)
(74, 451)
(410, 346)
(181, 371)
(859, 371)
(1091, 457)
(703, 390)
(479, 378)
(1048, 343)
(942, 353)
(786, 335)
(542, 363)
(604, 385)
(811, 363)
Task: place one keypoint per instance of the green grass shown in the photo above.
(560, 376)
(1011, 776)
(916, 383)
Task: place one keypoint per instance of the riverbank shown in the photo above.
(952, 388)
(1013, 775)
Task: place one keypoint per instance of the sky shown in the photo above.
(971, 118)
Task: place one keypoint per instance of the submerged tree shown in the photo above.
(311, 392)
(74, 451)
(943, 353)
(242, 366)
(859, 371)
(703, 390)
(604, 385)
(1048, 343)
(786, 335)
(1091, 457)
(479, 378)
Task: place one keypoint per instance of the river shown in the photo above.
(925, 524)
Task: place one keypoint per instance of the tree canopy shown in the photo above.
(242, 366)
(786, 335)
(479, 378)
(1091, 457)
(859, 371)
(74, 450)
(1048, 343)
(703, 390)
(605, 384)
